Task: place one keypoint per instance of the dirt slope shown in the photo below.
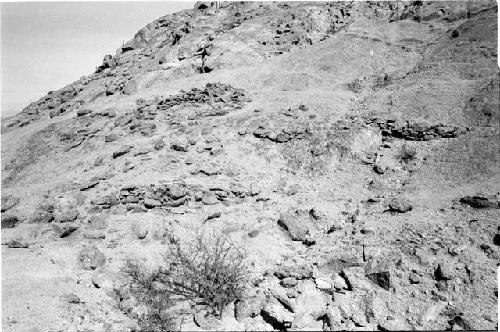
(356, 141)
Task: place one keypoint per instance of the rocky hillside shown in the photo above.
(351, 149)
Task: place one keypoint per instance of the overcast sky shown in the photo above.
(46, 45)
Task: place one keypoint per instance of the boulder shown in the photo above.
(294, 225)
(177, 191)
(399, 205)
(376, 307)
(8, 202)
(98, 222)
(67, 134)
(297, 272)
(324, 285)
(209, 199)
(205, 320)
(380, 167)
(107, 62)
(253, 233)
(249, 306)
(162, 60)
(304, 321)
(139, 230)
(21, 242)
(83, 111)
(55, 112)
(9, 221)
(180, 144)
(91, 258)
(216, 150)
(123, 120)
(127, 166)
(110, 137)
(151, 203)
(141, 151)
(414, 278)
(444, 271)
(121, 151)
(98, 161)
(93, 234)
(159, 144)
(64, 231)
(481, 202)
(379, 273)
(89, 184)
(178, 202)
(339, 264)
(65, 214)
(285, 301)
(393, 325)
(70, 298)
(109, 112)
(213, 216)
(130, 87)
(40, 216)
(338, 282)
(106, 201)
(496, 239)
(106, 280)
(288, 282)
(136, 208)
(383, 279)
(356, 280)
(275, 314)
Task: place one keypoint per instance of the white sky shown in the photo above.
(46, 45)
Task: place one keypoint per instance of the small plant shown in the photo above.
(209, 271)
(406, 154)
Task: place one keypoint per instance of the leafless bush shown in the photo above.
(209, 271)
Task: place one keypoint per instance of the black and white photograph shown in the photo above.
(250, 166)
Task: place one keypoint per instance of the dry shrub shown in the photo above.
(209, 271)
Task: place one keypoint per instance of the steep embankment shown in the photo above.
(352, 149)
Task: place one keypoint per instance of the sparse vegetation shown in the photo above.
(406, 154)
(145, 288)
(210, 271)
